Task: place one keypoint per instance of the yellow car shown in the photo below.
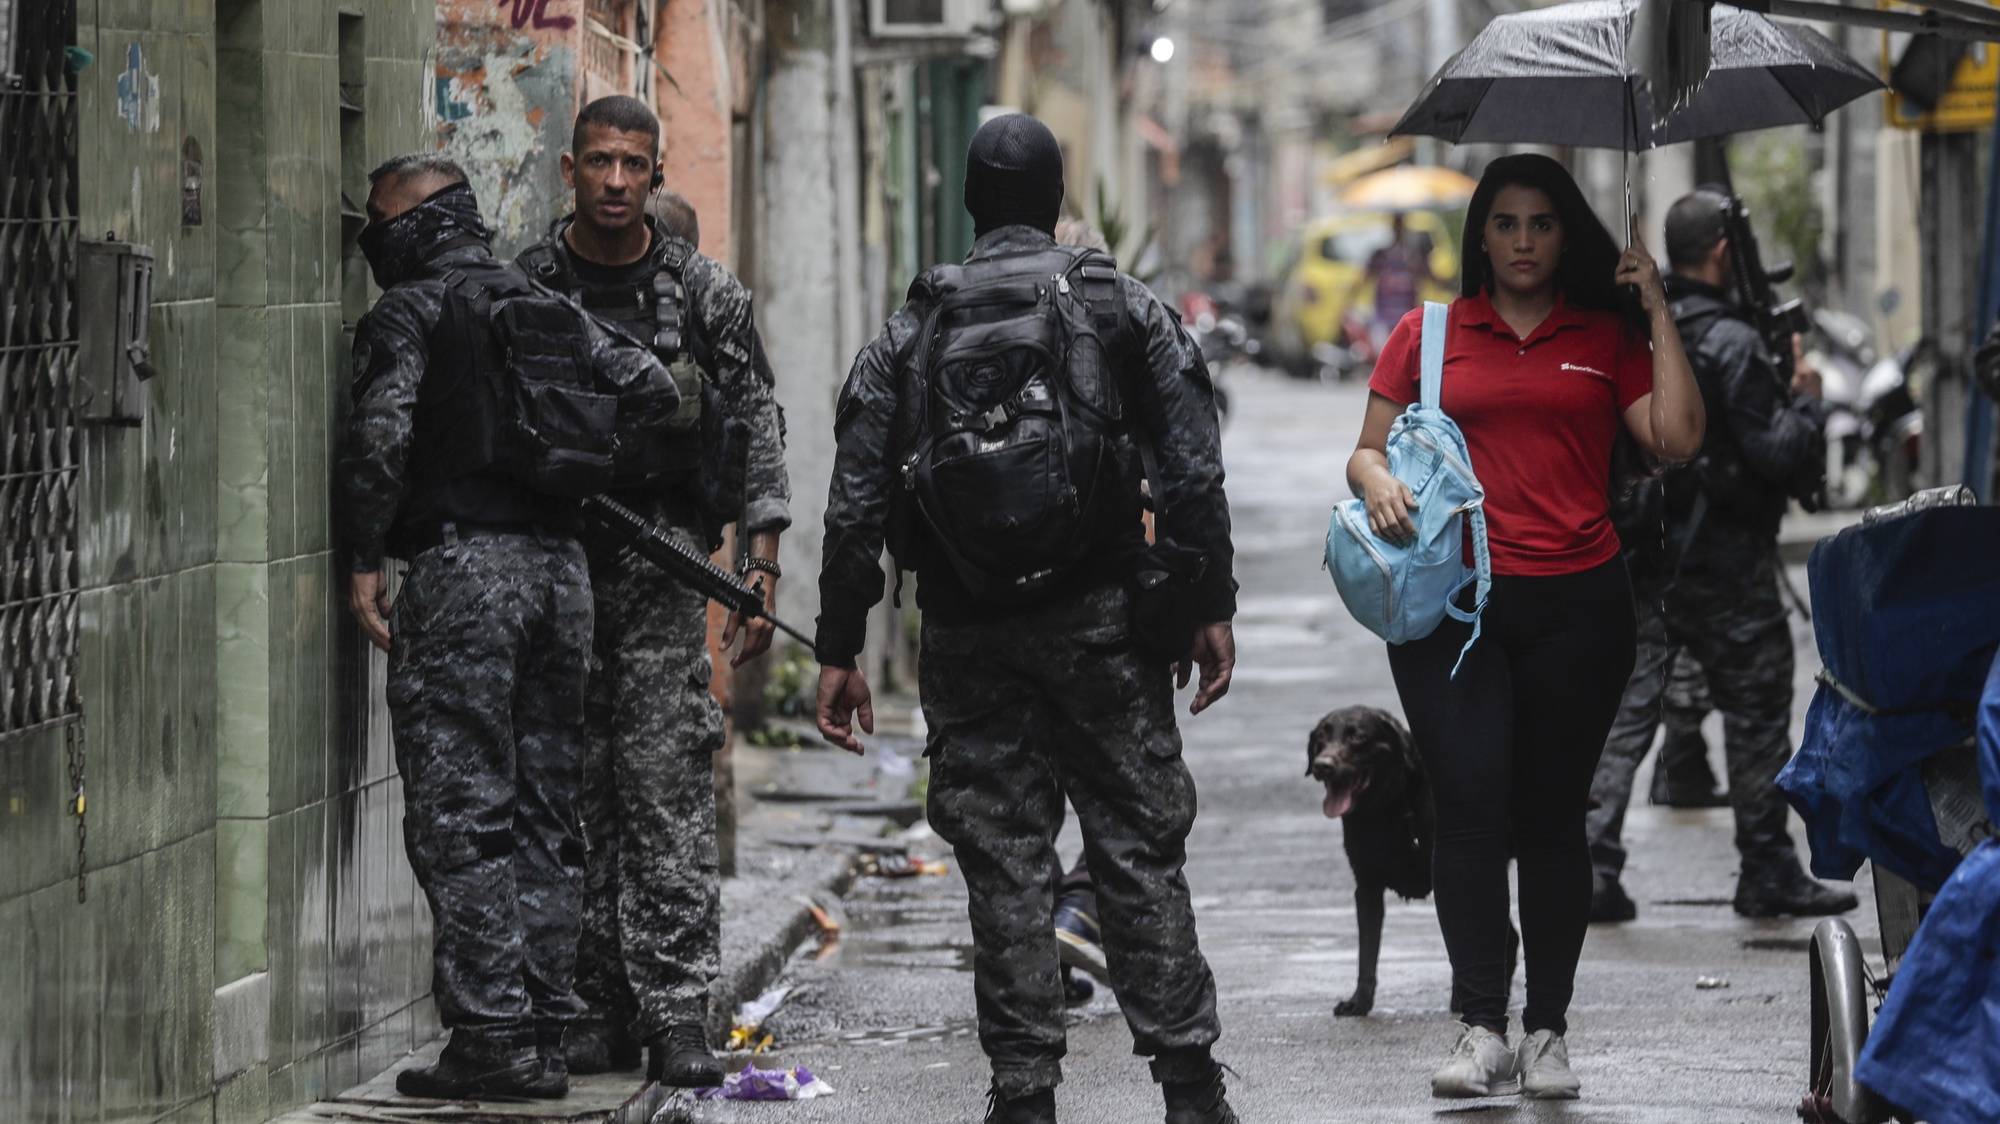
(1326, 277)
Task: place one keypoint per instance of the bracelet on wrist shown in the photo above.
(761, 565)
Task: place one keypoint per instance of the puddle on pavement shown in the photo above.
(877, 935)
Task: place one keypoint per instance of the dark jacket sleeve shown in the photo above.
(391, 353)
(748, 390)
(1175, 409)
(1774, 428)
(864, 484)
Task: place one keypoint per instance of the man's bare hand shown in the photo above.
(1805, 377)
(368, 600)
(843, 694)
(1214, 652)
(757, 632)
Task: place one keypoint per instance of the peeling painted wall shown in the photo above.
(696, 110)
(504, 92)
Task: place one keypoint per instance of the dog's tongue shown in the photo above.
(1336, 804)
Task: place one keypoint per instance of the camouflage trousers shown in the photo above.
(652, 902)
(1731, 620)
(1048, 703)
(486, 680)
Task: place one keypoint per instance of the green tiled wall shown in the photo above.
(244, 816)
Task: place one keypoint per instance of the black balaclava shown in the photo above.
(1014, 175)
(397, 249)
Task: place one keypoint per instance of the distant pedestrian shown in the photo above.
(1399, 271)
(1708, 586)
(1039, 679)
(675, 215)
(1544, 361)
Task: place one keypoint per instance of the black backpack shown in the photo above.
(1012, 446)
(540, 400)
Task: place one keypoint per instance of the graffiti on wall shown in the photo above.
(535, 13)
(138, 93)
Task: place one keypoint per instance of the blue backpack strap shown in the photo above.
(1436, 319)
(1481, 578)
(1431, 358)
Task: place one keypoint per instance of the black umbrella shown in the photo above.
(1566, 75)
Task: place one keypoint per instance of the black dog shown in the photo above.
(1376, 786)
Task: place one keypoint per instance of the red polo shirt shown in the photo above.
(1539, 417)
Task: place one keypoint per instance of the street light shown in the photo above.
(1163, 50)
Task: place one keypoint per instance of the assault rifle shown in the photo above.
(684, 563)
(1776, 320)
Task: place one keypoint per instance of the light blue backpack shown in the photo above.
(1403, 591)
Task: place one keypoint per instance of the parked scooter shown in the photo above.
(1223, 333)
(1874, 428)
(1351, 355)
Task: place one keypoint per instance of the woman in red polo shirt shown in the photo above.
(1545, 357)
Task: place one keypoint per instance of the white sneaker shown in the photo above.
(1480, 1065)
(1543, 1063)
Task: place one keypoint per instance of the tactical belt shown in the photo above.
(425, 538)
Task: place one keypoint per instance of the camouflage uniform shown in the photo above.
(652, 919)
(1684, 706)
(490, 632)
(486, 680)
(1031, 705)
(1720, 601)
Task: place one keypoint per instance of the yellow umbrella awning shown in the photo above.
(1409, 188)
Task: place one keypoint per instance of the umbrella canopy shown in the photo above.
(1563, 75)
(1409, 189)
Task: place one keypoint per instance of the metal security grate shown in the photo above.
(39, 446)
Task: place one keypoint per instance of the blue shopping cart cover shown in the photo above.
(1931, 1050)
(1907, 619)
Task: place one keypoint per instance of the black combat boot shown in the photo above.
(592, 1048)
(553, 1083)
(474, 1066)
(1684, 780)
(681, 1058)
(1788, 892)
(1610, 904)
(1038, 1107)
(1199, 1102)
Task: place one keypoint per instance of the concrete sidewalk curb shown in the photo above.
(760, 935)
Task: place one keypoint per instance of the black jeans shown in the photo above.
(1511, 745)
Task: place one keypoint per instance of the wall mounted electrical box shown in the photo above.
(114, 313)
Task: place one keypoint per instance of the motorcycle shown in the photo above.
(1223, 333)
(1874, 427)
(1352, 353)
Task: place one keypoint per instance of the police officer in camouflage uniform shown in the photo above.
(488, 640)
(1709, 584)
(652, 913)
(1029, 704)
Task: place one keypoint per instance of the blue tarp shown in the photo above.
(1933, 1047)
(1907, 618)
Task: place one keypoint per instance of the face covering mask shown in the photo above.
(397, 249)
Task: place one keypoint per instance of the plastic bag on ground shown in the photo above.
(753, 1084)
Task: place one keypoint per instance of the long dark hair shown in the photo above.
(1590, 255)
